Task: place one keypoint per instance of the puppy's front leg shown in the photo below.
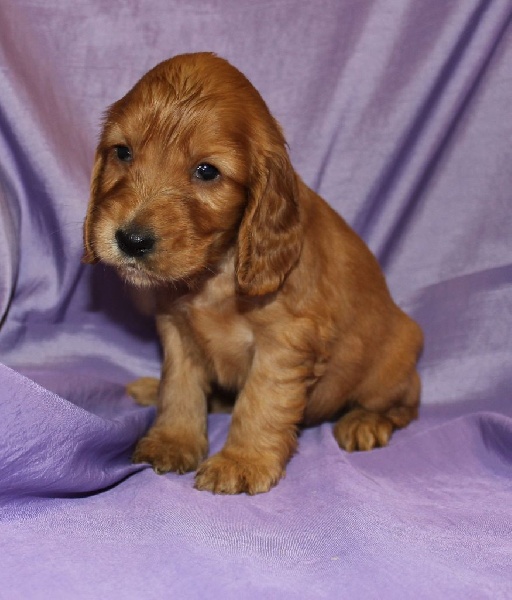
(178, 439)
(263, 432)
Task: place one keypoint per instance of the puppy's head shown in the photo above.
(191, 165)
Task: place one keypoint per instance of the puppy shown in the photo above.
(259, 286)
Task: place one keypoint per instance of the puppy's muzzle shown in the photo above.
(135, 243)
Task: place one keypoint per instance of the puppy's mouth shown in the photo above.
(144, 271)
(143, 259)
(131, 252)
(136, 274)
(141, 276)
(131, 249)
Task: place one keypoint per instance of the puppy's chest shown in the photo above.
(226, 339)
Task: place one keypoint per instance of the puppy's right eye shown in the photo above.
(123, 153)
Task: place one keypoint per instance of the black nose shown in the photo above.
(135, 242)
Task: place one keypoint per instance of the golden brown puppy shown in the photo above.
(259, 285)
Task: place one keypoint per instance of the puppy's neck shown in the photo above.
(210, 286)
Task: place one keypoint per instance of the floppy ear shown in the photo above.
(270, 235)
(89, 254)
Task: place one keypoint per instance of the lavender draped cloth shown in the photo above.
(399, 114)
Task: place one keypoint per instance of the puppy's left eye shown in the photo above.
(206, 172)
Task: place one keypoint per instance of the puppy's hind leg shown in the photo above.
(366, 427)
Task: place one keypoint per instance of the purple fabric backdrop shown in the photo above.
(399, 113)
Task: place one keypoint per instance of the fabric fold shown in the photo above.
(49, 447)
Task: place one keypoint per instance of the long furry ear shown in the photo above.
(270, 235)
(89, 255)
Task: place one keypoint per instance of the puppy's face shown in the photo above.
(183, 159)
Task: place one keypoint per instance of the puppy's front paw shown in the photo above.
(168, 451)
(231, 473)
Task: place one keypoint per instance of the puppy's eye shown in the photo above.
(123, 153)
(206, 172)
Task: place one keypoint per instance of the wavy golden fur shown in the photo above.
(260, 287)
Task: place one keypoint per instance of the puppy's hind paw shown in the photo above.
(144, 390)
(362, 430)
